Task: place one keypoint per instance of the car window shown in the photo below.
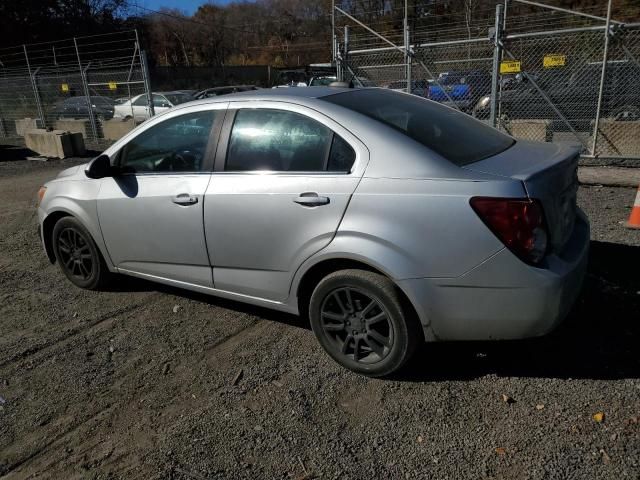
(175, 145)
(264, 139)
(160, 101)
(342, 156)
(178, 98)
(454, 135)
(141, 101)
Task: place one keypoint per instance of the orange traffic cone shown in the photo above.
(634, 218)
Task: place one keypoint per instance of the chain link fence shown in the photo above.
(83, 84)
(544, 85)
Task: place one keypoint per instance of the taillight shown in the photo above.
(518, 223)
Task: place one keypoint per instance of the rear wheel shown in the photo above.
(77, 254)
(359, 319)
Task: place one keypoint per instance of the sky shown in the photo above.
(186, 6)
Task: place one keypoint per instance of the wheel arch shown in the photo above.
(47, 231)
(61, 208)
(316, 272)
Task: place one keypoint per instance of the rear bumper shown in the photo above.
(503, 298)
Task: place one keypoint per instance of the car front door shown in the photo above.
(283, 178)
(140, 108)
(151, 214)
(160, 104)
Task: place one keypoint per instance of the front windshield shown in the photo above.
(177, 98)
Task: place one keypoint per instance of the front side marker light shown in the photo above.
(41, 192)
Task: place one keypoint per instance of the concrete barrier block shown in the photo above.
(53, 144)
(115, 129)
(74, 126)
(537, 130)
(77, 144)
(619, 138)
(23, 125)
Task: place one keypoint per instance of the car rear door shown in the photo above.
(151, 215)
(283, 178)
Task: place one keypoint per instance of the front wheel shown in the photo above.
(359, 319)
(77, 254)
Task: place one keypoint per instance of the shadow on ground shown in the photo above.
(599, 339)
(12, 153)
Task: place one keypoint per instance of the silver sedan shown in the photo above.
(386, 219)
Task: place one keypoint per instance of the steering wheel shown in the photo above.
(183, 160)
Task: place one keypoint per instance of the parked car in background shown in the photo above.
(463, 89)
(418, 87)
(386, 219)
(138, 107)
(291, 78)
(322, 80)
(574, 93)
(326, 80)
(77, 107)
(189, 92)
(217, 91)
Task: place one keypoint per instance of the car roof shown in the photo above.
(281, 94)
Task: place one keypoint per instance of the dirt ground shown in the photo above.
(150, 382)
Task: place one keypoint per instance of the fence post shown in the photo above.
(147, 83)
(603, 75)
(34, 86)
(497, 55)
(85, 88)
(408, 59)
(345, 58)
(333, 32)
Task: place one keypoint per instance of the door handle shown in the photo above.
(311, 199)
(185, 199)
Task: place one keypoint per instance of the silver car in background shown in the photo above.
(385, 218)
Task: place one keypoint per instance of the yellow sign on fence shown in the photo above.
(64, 87)
(113, 86)
(511, 66)
(554, 60)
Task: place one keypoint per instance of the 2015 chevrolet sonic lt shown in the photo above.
(386, 218)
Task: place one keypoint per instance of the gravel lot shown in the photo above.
(147, 381)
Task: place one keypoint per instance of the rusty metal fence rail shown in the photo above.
(568, 85)
(75, 85)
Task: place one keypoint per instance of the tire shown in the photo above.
(359, 320)
(78, 256)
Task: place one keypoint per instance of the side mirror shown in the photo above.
(100, 167)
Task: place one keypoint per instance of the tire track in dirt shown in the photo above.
(35, 349)
(114, 405)
(57, 439)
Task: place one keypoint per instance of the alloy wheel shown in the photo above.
(357, 325)
(75, 254)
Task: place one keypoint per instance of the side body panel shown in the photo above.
(257, 235)
(146, 232)
(76, 196)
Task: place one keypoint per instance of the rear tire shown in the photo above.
(359, 319)
(78, 256)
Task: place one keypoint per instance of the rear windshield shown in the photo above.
(456, 136)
